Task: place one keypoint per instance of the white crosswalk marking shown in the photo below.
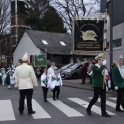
(70, 112)
(114, 98)
(107, 102)
(6, 111)
(40, 112)
(85, 104)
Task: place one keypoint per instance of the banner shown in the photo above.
(40, 60)
(88, 35)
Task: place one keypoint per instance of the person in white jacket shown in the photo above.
(25, 80)
(51, 69)
(55, 81)
(44, 84)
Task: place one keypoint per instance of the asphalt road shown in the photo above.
(70, 109)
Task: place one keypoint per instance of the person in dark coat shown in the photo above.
(83, 73)
(110, 74)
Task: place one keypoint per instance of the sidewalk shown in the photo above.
(76, 83)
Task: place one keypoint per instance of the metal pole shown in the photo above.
(16, 20)
(111, 33)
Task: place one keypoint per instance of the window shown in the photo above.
(62, 43)
(117, 43)
(44, 42)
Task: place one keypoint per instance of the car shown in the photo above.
(74, 71)
(64, 68)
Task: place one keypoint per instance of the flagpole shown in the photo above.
(104, 81)
(46, 57)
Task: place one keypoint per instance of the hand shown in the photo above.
(104, 62)
(36, 86)
(116, 88)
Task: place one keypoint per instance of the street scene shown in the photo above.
(61, 61)
(70, 108)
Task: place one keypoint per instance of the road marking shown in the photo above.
(85, 104)
(40, 112)
(113, 98)
(70, 112)
(6, 110)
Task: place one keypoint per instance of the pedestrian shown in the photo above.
(25, 80)
(51, 69)
(55, 81)
(3, 75)
(0, 77)
(118, 80)
(89, 70)
(110, 74)
(98, 82)
(8, 79)
(38, 73)
(83, 73)
(44, 84)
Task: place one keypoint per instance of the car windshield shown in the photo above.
(75, 66)
(66, 66)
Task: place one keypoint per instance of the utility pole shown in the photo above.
(16, 20)
(111, 32)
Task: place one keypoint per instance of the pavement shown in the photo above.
(76, 83)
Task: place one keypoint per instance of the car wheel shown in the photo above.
(75, 76)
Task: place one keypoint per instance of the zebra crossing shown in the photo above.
(8, 114)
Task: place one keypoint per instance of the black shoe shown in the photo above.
(106, 115)
(45, 100)
(89, 112)
(21, 113)
(30, 113)
(57, 98)
(119, 110)
(54, 99)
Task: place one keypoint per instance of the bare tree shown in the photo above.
(5, 21)
(4, 18)
(68, 9)
(37, 7)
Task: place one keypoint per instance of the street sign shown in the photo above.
(40, 60)
(88, 35)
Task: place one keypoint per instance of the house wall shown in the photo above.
(25, 45)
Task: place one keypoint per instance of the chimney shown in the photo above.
(18, 13)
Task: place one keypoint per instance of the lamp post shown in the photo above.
(111, 32)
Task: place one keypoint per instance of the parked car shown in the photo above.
(64, 68)
(74, 71)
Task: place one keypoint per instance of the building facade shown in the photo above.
(118, 28)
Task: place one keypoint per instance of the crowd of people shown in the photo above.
(25, 78)
(102, 81)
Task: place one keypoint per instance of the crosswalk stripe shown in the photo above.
(70, 112)
(40, 112)
(113, 98)
(6, 110)
(85, 104)
(111, 104)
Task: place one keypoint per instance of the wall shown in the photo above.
(118, 32)
(25, 45)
